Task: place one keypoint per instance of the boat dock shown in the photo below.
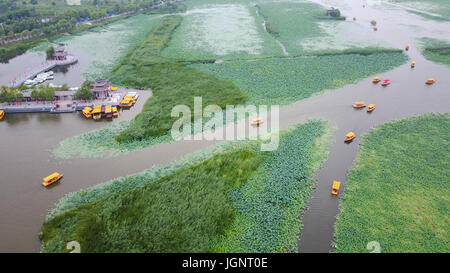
(61, 106)
(48, 65)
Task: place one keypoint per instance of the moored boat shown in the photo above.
(127, 102)
(115, 112)
(108, 111)
(87, 112)
(97, 112)
(2, 114)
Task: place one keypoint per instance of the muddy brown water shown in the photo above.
(26, 141)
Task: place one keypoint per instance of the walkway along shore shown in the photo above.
(62, 106)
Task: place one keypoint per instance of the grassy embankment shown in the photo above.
(172, 84)
(204, 207)
(10, 51)
(398, 192)
(285, 80)
(436, 50)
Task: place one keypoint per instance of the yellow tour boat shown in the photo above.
(430, 81)
(413, 64)
(370, 107)
(335, 187)
(349, 137)
(54, 177)
(87, 112)
(97, 112)
(257, 121)
(108, 111)
(115, 112)
(126, 103)
(2, 114)
(359, 104)
(376, 80)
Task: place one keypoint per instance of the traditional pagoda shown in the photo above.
(100, 88)
(60, 54)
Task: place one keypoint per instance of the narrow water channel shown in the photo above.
(405, 97)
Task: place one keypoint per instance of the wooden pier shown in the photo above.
(46, 67)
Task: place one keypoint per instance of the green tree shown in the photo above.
(50, 51)
(335, 13)
(84, 93)
(35, 32)
(34, 94)
(49, 93)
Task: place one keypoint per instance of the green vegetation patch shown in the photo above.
(398, 192)
(436, 50)
(221, 30)
(285, 80)
(199, 204)
(429, 9)
(293, 22)
(182, 212)
(171, 82)
(127, 183)
(9, 51)
(102, 142)
(269, 205)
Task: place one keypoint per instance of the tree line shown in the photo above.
(32, 18)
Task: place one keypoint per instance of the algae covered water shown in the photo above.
(98, 51)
